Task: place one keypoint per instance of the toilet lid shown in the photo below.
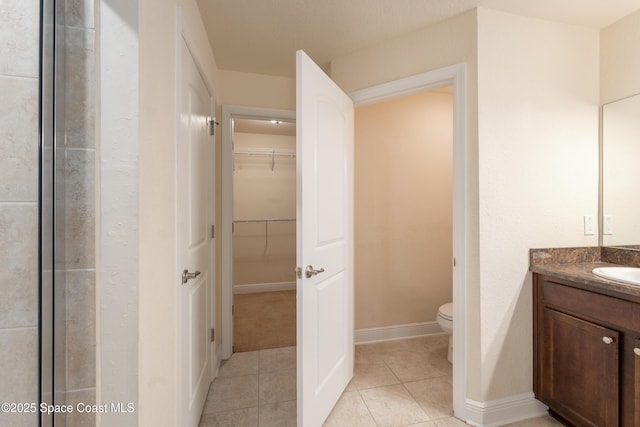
(446, 311)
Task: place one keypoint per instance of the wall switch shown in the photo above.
(589, 225)
(607, 225)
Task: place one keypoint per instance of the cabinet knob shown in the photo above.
(607, 340)
(636, 351)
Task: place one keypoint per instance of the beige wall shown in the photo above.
(264, 253)
(257, 90)
(450, 42)
(403, 209)
(158, 404)
(620, 59)
(538, 172)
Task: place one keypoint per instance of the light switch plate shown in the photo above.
(607, 225)
(589, 225)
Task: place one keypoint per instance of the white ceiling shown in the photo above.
(261, 36)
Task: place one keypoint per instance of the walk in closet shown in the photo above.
(264, 234)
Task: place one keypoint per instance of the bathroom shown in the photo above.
(500, 141)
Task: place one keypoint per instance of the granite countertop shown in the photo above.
(576, 264)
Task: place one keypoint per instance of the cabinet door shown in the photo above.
(580, 370)
(636, 373)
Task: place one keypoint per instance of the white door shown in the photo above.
(324, 149)
(195, 168)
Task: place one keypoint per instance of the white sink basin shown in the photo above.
(628, 275)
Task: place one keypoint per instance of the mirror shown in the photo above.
(620, 156)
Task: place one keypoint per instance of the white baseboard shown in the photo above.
(396, 332)
(264, 287)
(504, 411)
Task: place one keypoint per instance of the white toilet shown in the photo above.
(445, 320)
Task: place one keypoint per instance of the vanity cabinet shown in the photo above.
(586, 361)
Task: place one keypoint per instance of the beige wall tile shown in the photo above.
(81, 329)
(19, 370)
(80, 94)
(19, 37)
(19, 260)
(80, 13)
(80, 209)
(81, 419)
(19, 136)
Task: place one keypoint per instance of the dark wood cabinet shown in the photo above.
(586, 366)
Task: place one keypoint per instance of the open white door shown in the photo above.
(324, 149)
(195, 164)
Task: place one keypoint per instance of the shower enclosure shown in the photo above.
(67, 214)
(47, 218)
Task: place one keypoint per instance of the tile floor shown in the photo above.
(396, 383)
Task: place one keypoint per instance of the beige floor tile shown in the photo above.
(245, 363)
(393, 406)
(425, 424)
(412, 366)
(434, 395)
(279, 386)
(282, 414)
(231, 393)
(350, 411)
(449, 422)
(437, 357)
(370, 375)
(546, 421)
(247, 417)
(277, 359)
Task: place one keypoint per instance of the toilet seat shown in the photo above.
(446, 311)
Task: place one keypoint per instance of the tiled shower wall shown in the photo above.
(80, 87)
(19, 51)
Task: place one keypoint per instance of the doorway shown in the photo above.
(264, 234)
(258, 229)
(455, 76)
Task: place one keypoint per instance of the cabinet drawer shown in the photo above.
(608, 310)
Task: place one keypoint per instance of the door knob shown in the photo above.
(186, 276)
(636, 351)
(607, 340)
(310, 272)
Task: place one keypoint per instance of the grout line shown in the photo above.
(15, 76)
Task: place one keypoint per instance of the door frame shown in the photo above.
(456, 76)
(229, 113)
(183, 33)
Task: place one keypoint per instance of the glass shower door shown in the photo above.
(52, 212)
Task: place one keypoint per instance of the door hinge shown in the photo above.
(233, 227)
(213, 334)
(213, 231)
(212, 126)
(233, 309)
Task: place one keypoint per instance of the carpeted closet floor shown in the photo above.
(264, 320)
